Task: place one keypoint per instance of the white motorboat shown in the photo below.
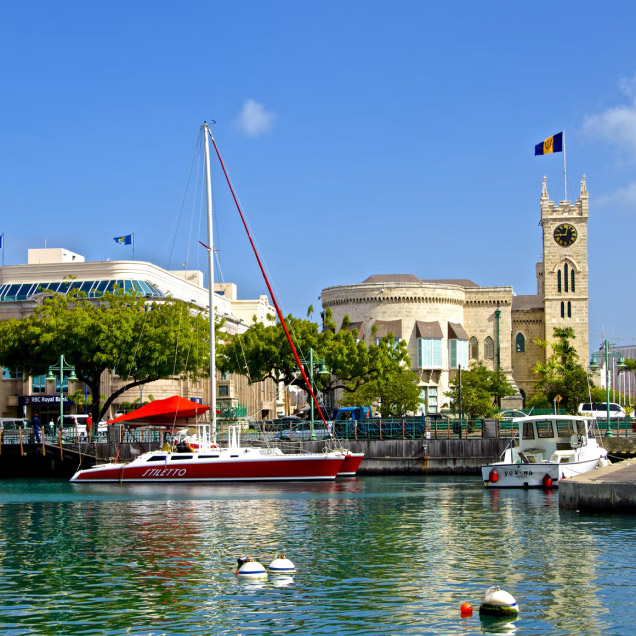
(546, 449)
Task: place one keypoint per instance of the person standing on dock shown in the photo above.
(35, 422)
(89, 427)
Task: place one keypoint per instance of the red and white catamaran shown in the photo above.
(208, 462)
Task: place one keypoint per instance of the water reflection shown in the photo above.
(383, 555)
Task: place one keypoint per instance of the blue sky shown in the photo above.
(362, 137)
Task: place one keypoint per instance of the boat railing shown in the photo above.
(513, 442)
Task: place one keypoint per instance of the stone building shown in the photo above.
(451, 323)
(21, 291)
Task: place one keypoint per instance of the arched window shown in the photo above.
(565, 277)
(562, 309)
(489, 348)
(474, 348)
(523, 396)
(569, 309)
(572, 281)
(520, 343)
(559, 281)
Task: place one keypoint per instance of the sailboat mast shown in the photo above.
(208, 193)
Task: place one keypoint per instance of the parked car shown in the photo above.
(275, 425)
(510, 413)
(302, 432)
(13, 424)
(76, 424)
(599, 410)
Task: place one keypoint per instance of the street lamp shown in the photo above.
(322, 370)
(55, 371)
(607, 353)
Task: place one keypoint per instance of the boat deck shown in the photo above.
(609, 489)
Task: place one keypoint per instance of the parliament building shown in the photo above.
(452, 323)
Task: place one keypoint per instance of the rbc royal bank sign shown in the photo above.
(27, 400)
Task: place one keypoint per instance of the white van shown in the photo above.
(13, 424)
(76, 424)
(599, 410)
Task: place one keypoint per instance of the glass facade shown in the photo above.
(92, 288)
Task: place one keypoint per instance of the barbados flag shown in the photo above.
(124, 240)
(550, 145)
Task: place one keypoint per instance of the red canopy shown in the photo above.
(168, 411)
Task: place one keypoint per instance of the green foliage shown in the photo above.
(118, 333)
(396, 393)
(538, 401)
(263, 352)
(562, 374)
(598, 395)
(481, 390)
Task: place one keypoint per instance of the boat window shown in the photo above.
(544, 428)
(528, 430)
(178, 458)
(579, 427)
(208, 456)
(565, 428)
(157, 458)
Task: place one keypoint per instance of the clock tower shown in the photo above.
(562, 276)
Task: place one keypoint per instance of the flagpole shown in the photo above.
(565, 176)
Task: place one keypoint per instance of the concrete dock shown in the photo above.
(609, 489)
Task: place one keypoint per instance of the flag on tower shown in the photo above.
(2, 240)
(124, 240)
(550, 145)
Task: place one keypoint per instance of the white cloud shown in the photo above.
(622, 198)
(254, 120)
(617, 124)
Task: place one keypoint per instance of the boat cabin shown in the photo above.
(551, 438)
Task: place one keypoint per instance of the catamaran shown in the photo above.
(209, 462)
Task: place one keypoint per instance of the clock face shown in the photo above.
(565, 234)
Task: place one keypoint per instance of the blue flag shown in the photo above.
(2, 240)
(124, 240)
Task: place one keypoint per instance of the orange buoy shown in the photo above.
(466, 610)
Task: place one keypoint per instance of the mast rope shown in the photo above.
(269, 287)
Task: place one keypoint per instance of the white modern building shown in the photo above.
(22, 288)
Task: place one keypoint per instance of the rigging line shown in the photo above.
(269, 287)
(196, 154)
(143, 326)
(247, 225)
(198, 184)
(238, 334)
(176, 344)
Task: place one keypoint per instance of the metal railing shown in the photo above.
(271, 431)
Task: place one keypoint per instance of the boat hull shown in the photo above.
(172, 468)
(531, 475)
(351, 464)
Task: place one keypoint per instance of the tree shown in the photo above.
(117, 332)
(396, 393)
(562, 374)
(481, 390)
(262, 351)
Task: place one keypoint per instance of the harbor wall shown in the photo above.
(381, 457)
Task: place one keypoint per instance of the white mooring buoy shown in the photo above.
(281, 565)
(250, 569)
(498, 602)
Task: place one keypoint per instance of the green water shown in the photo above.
(374, 556)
